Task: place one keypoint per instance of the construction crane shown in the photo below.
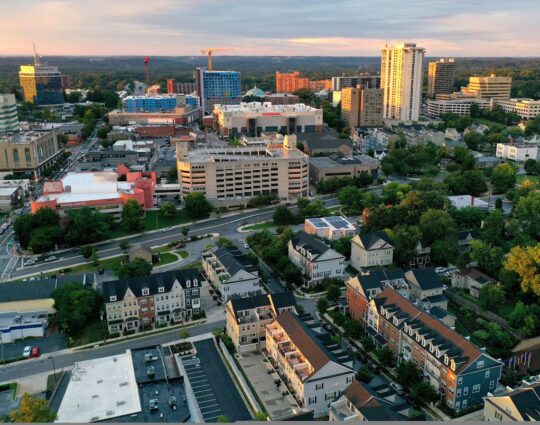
(209, 53)
(147, 66)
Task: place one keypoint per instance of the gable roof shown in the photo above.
(233, 260)
(310, 244)
(278, 301)
(283, 300)
(375, 278)
(476, 275)
(306, 340)
(371, 407)
(369, 239)
(425, 278)
(526, 401)
(118, 288)
(463, 351)
(139, 246)
(463, 234)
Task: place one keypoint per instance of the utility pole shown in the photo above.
(54, 368)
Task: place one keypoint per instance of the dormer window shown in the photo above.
(395, 321)
(161, 289)
(417, 337)
(438, 353)
(423, 341)
(431, 347)
(188, 283)
(145, 291)
(195, 282)
(112, 298)
(480, 364)
(446, 359)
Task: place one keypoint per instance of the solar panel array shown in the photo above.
(334, 221)
(318, 222)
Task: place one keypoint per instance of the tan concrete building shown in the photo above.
(491, 87)
(460, 106)
(525, 108)
(246, 318)
(28, 151)
(362, 106)
(234, 175)
(254, 118)
(401, 80)
(440, 77)
(340, 165)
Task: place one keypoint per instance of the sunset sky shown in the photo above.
(273, 27)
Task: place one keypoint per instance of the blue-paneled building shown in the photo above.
(218, 87)
(158, 103)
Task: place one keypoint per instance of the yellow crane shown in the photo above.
(209, 53)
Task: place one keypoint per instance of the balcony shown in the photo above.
(285, 347)
(341, 412)
(302, 372)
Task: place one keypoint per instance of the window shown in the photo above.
(498, 416)
(476, 388)
(161, 289)
(460, 380)
(458, 392)
(319, 386)
(312, 400)
(188, 283)
(329, 396)
(486, 376)
(145, 291)
(491, 385)
(113, 298)
(349, 379)
(480, 364)
(466, 391)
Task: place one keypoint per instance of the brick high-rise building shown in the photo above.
(440, 77)
(289, 83)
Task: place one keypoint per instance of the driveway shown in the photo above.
(277, 405)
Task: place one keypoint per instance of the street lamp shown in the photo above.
(51, 358)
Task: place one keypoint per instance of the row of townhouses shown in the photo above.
(161, 298)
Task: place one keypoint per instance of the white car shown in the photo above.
(246, 245)
(30, 262)
(440, 270)
(51, 258)
(27, 351)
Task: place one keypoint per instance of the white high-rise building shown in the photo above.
(401, 80)
(8, 113)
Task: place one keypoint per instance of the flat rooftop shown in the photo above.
(264, 107)
(334, 222)
(336, 160)
(22, 137)
(231, 154)
(15, 318)
(100, 389)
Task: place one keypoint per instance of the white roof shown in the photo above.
(100, 389)
(334, 223)
(462, 201)
(8, 191)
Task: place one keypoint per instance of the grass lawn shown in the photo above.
(183, 254)
(491, 124)
(521, 178)
(261, 226)
(195, 265)
(166, 258)
(154, 221)
(92, 332)
(53, 380)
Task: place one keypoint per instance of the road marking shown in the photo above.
(200, 386)
(196, 382)
(202, 391)
(209, 395)
(211, 411)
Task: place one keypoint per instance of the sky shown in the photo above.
(269, 27)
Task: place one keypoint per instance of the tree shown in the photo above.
(368, 344)
(85, 225)
(527, 212)
(222, 419)
(75, 306)
(493, 229)
(437, 224)
(364, 375)
(184, 334)
(385, 356)
(424, 392)
(531, 166)
(351, 197)
(261, 416)
(491, 297)
(405, 240)
(283, 215)
(44, 239)
(185, 231)
(489, 257)
(136, 268)
(407, 373)
(94, 258)
(32, 409)
(124, 245)
(133, 216)
(473, 140)
(322, 305)
(394, 192)
(468, 217)
(503, 178)
(333, 292)
(197, 206)
(525, 262)
(167, 210)
(353, 329)
(86, 251)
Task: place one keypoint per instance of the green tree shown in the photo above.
(75, 306)
(394, 192)
(261, 416)
(185, 231)
(436, 225)
(527, 212)
(167, 210)
(491, 297)
(197, 206)
(86, 251)
(44, 239)
(364, 374)
(407, 373)
(531, 166)
(85, 226)
(489, 257)
(283, 215)
(353, 329)
(223, 419)
(385, 356)
(32, 409)
(136, 268)
(503, 178)
(424, 392)
(493, 228)
(405, 240)
(322, 305)
(124, 245)
(333, 293)
(351, 197)
(133, 216)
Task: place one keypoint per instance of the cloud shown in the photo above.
(277, 27)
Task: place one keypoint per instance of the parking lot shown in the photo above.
(213, 387)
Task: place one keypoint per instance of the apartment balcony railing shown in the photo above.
(302, 373)
(342, 412)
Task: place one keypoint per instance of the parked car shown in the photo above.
(27, 351)
(180, 245)
(440, 270)
(246, 245)
(36, 352)
(51, 258)
(30, 262)
(398, 388)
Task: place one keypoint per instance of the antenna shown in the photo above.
(37, 58)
